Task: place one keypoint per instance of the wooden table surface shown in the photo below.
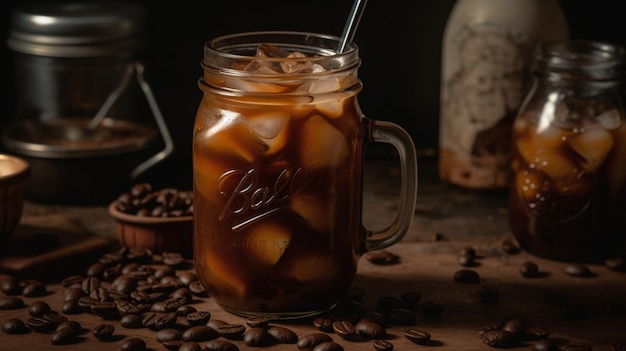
(428, 263)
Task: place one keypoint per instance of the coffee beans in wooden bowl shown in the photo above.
(158, 220)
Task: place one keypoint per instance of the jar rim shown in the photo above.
(225, 52)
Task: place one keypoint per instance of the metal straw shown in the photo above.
(351, 25)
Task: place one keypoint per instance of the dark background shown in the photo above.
(400, 44)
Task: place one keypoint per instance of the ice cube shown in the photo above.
(229, 135)
(271, 128)
(610, 119)
(311, 267)
(224, 276)
(615, 165)
(557, 164)
(313, 209)
(322, 144)
(268, 241)
(593, 145)
(207, 171)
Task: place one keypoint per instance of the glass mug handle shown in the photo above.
(391, 133)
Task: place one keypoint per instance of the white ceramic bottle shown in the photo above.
(486, 54)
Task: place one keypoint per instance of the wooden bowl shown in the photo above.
(158, 234)
(14, 172)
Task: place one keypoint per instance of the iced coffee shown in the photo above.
(277, 154)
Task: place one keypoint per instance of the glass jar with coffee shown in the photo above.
(567, 198)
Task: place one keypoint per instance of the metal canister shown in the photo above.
(83, 110)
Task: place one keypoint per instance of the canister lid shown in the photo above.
(77, 29)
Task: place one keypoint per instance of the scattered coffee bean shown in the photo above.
(216, 323)
(309, 341)
(133, 344)
(190, 346)
(11, 303)
(466, 276)
(577, 270)
(158, 321)
(34, 289)
(328, 346)
(324, 324)
(64, 336)
(257, 337)
(168, 334)
(15, 326)
(514, 326)
(132, 321)
(417, 336)
(198, 289)
(491, 325)
(199, 333)
(529, 269)
(70, 324)
(103, 331)
(10, 286)
(467, 257)
(536, 333)
(39, 308)
(220, 345)
(173, 345)
(499, 338)
(383, 345)
(375, 317)
(545, 345)
(382, 257)
(262, 322)
(344, 329)
(231, 331)
(370, 329)
(509, 246)
(197, 317)
(283, 335)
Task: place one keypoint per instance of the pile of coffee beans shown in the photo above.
(143, 200)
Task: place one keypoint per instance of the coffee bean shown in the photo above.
(198, 317)
(324, 324)
(133, 344)
(168, 334)
(375, 317)
(514, 326)
(199, 333)
(10, 286)
(417, 336)
(15, 326)
(382, 257)
(216, 323)
(64, 336)
(328, 346)
(577, 270)
(186, 310)
(11, 303)
(370, 329)
(545, 345)
(309, 341)
(262, 322)
(190, 346)
(529, 269)
(131, 321)
(70, 324)
(220, 345)
(173, 259)
(499, 338)
(34, 289)
(535, 333)
(39, 308)
(466, 276)
(40, 324)
(491, 325)
(158, 321)
(231, 331)
(103, 331)
(344, 329)
(283, 335)
(198, 289)
(467, 257)
(104, 309)
(383, 345)
(509, 246)
(257, 337)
